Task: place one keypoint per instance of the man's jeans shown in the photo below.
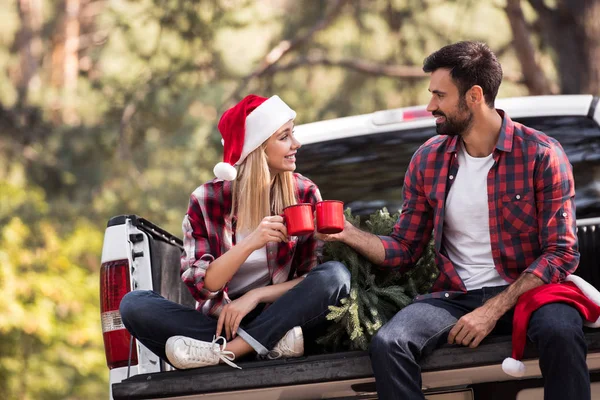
(153, 319)
(556, 330)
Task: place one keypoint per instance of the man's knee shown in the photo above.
(556, 324)
(389, 339)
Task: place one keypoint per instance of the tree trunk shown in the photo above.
(572, 30)
(591, 26)
(71, 60)
(535, 78)
(29, 46)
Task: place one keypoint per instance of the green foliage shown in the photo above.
(376, 295)
(50, 336)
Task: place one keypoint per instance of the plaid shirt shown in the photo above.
(531, 208)
(209, 231)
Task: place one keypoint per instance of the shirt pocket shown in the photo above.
(519, 213)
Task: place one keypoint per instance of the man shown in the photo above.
(498, 197)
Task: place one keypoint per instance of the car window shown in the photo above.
(367, 172)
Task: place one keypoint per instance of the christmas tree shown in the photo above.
(376, 295)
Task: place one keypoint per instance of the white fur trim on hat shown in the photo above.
(225, 171)
(517, 368)
(513, 367)
(590, 292)
(264, 121)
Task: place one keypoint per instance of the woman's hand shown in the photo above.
(232, 314)
(270, 229)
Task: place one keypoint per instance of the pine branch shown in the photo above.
(375, 295)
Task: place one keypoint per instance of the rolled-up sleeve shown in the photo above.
(554, 193)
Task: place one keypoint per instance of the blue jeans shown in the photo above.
(153, 319)
(424, 325)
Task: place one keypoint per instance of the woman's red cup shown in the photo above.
(330, 216)
(299, 219)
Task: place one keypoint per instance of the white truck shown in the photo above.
(360, 160)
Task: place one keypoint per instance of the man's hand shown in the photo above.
(334, 237)
(233, 313)
(473, 327)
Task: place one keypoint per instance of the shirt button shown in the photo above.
(518, 196)
(564, 214)
(446, 295)
(451, 177)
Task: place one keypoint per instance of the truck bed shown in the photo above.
(354, 365)
(348, 375)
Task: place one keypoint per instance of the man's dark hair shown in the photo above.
(470, 63)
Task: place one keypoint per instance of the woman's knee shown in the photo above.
(133, 304)
(334, 277)
(334, 272)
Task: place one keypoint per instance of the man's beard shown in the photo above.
(454, 125)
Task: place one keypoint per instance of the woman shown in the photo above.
(253, 283)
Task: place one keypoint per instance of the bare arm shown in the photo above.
(500, 304)
(473, 327)
(268, 294)
(223, 268)
(271, 229)
(232, 314)
(367, 244)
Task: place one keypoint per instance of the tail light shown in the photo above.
(114, 284)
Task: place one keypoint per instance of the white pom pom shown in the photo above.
(513, 367)
(225, 171)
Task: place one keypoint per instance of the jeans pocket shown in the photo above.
(518, 213)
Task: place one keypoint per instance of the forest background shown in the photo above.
(109, 107)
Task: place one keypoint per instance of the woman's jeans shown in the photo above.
(556, 330)
(153, 319)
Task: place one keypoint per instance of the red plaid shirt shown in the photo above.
(208, 232)
(531, 208)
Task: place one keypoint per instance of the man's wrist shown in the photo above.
(497, 307)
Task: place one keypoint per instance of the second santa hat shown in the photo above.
(245, 126)
(576, 292)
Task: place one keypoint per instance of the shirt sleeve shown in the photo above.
(309, 250)
(196, 256)
(554, 196)
(413, 229)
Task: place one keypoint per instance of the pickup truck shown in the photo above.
(360, 160)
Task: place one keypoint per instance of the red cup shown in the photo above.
(330, 216)
(299, 219)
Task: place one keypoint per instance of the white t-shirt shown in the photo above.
(466, 223)
(252, 274)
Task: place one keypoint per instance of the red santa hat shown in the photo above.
(576, 292)
(245, 126)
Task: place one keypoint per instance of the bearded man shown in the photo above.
(499, 199)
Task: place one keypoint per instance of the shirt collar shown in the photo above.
(505, 139)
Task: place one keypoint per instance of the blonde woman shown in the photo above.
(256, 287)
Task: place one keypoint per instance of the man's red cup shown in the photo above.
(299, 219)
(330, 216)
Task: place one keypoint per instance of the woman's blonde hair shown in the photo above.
(254, 196)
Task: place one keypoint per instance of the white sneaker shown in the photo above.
(291, 345)
(184, 352)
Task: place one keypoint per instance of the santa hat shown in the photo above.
(576, 292)
(245, 126)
